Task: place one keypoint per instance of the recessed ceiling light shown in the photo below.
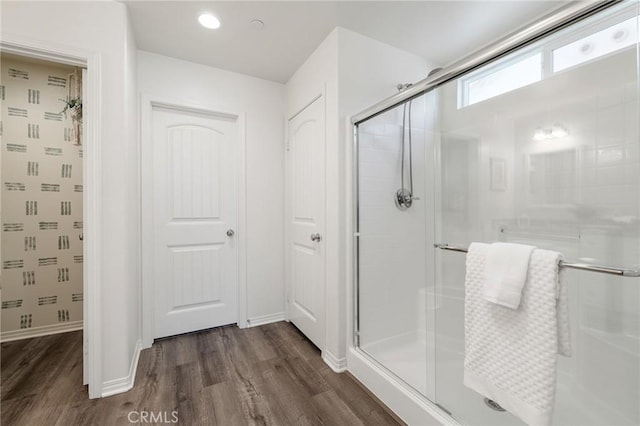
(207, 20)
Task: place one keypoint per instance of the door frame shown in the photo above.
(91, 200)
(147, 104)
(315, 95)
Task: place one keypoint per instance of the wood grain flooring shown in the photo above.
(268, 375)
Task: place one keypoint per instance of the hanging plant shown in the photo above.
(73, 106)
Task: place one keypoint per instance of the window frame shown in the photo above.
(546, 51)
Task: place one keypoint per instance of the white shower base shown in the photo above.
(404, 355)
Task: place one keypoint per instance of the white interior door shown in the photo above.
(194, 209)
(306, 178)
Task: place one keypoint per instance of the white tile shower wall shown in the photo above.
(41, 198)
(392, 242)
(365, 78)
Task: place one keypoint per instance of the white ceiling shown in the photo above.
(439, 31)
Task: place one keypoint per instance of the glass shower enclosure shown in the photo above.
(540, 146)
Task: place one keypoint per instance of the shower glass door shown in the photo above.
(394, 258)
(542, 147)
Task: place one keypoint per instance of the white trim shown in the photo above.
(92, 169)
(241, 223)
(339, 365)
(147, 103)
(407, 403)
(38, 50)
(124, 384)
(286, 199)
(92, 181)
(146, 220)
(45, 330)
(265, 319)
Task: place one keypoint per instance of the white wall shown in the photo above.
(319, 75)
(369, 71)
(102, 28)
(132, 154)
(355, 71)
(262, 103)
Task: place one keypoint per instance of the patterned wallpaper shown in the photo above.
(41, 178)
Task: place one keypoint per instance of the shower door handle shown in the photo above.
(316, 237)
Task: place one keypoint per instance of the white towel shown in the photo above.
(506, 271)
(510, 355)
(562, 307)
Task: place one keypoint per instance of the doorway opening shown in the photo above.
(42, 198)
(64, 228)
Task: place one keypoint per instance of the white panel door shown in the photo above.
(195, 190)
(306, 290)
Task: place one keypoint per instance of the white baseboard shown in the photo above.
(265, 319)
(124, 384)
(27, 333)
(338, 365)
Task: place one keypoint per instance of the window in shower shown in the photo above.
(520, 70)
(501, 78)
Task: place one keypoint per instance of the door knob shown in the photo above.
(316, 237)
(230, 232)
(81, 236)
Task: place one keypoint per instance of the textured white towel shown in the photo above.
(510, 355)
(505, 273)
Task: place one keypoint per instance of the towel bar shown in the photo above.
(564, 264)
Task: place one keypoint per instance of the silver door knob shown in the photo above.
(230, 233)
(316, 237)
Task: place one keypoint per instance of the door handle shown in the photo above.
(316, 237)
(230, 233)
(81, 236)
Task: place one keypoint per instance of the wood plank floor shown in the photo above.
(269, 375)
